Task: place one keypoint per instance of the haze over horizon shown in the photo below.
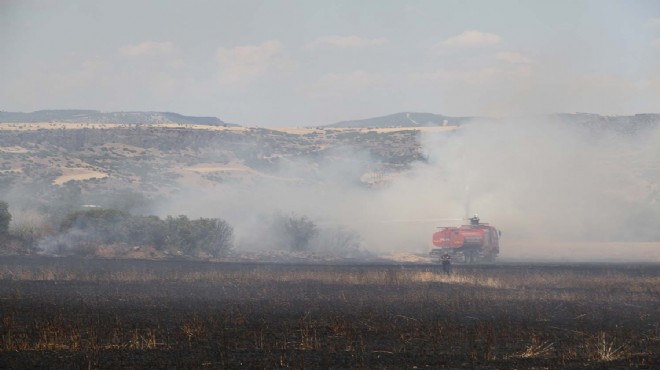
(291, 63)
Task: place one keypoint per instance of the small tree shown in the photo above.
(179, 233)
(97, 224)
(213, 236)
(146, 230)
(295, 233)
(5, 217)
(301, 231)
(210, 235)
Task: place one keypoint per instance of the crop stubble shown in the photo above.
(81, 313)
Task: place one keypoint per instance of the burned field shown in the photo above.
(79, 313)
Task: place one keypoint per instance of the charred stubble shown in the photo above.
(132, 314)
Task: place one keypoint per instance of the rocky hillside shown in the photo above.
(156, 160)
(43, 162)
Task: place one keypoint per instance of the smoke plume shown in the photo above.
(543, 182)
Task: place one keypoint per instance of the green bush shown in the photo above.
(295, 233)
(110, 226)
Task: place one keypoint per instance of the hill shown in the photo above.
(623, 124)
(597, 177)
(93, 116)
(403, 119)
(155, 160)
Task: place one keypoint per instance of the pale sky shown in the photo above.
(300, 63)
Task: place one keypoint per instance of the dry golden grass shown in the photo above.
(16, 170)
(289, 130)
(78, 174)
(536, 349)
(13, 149)
(206, 168)
(217, 167)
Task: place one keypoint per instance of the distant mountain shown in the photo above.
(624, 124)
(592, 121)
(404, 119)
(93, 116)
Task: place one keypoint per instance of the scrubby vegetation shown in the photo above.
(5, 218)
(107, 232)
(85, 231)
(148, 159)
(82, 232)
(293, 232)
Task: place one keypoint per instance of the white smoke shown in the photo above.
(537, 180)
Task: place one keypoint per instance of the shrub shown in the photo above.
(110, 226)
(212, 236)
(208, 235)
(293, 232)
(100, 225)
(5, 217)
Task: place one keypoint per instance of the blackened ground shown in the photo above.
(78, 313)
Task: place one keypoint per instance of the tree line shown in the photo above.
(85, 229)
(82, 231)
(97, 226)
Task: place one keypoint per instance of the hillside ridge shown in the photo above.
(403, 119)
(94, 116)
(416, 119)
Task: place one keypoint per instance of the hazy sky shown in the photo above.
(297, 63)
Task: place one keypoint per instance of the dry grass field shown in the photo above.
(78, 174)
(79, 313)
(205, 168)
(288, 130)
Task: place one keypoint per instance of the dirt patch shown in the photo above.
(78, 174)
(13, 170)
(13, 150)
(206, 168)
(211, 167)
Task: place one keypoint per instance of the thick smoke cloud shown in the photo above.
(544, 179)
(544, 183)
